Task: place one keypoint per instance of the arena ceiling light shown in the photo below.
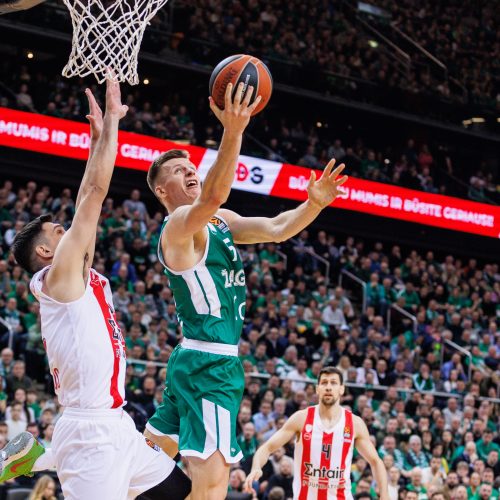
(373, 44)
(475, 120)
(16, 5)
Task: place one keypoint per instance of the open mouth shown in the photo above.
(191, 184)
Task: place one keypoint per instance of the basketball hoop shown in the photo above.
(107, 36)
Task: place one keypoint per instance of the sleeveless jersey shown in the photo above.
(323, 459)
(84, 345)
(210, 297)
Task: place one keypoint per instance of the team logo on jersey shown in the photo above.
(307, 434)
(152, 445)
(219, 223)
(347, 433)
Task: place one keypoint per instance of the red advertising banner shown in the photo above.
(70, 139)
(391, 201)
(54, 136)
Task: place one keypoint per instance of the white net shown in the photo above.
(107, 36)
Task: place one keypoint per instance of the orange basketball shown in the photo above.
(241, 68)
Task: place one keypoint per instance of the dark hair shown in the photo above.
(23, 246)
(331, 370)
(154, 169)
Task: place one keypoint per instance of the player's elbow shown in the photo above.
(375, 462)
(213, 200)
(277, 234)
(95, 192)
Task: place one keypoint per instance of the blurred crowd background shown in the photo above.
(405, 93)
(420, 354)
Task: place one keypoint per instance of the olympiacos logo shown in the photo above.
(308, 432)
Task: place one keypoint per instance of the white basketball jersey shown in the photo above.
(84, 345)
(323, 459)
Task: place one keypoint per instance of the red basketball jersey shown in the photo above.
(323, 459)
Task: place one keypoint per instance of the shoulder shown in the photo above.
(298, 419)
(359, 425)
(228, 216)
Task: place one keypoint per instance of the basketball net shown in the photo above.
(107, 36)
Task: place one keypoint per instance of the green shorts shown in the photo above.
(201, 403)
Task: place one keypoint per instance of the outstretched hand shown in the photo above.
(253, 476)
(237, 112)
(114, 104)
(94, 117)
(322, 192)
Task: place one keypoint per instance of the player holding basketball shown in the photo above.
(205, 377)
(325, 438)
(97, 450)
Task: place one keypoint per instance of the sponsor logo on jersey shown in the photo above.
(323, 472)
(319, 485)
(233, 279)
(219, 223)
(152, 445)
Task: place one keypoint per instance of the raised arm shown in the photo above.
(187, 220)
(291, 428)
(365, 447)
(66, 279)
(95, 119)
(96, 125)
(321, 193)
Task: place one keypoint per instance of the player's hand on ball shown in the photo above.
(94, 117)
(236, 113)
(114, 104)
(253, 476)
(322, 192)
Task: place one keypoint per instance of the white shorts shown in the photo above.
(99, 454)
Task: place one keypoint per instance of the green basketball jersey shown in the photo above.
(210, 297)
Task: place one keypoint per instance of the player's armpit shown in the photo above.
(363, 443)
(367, 450)
(188, 220)
(66, 278)
(291, 428)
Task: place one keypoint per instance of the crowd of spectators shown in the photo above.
(426, 406)
(463, 35)
(324, 45)
(307, 143)
(330, 50)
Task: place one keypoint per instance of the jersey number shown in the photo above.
(327, 450)
(227, 241)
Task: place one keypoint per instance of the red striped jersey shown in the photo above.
(323, 458)
(84, 345)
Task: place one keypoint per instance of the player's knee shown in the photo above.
(211, 473)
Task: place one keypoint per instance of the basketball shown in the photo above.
(241, 68)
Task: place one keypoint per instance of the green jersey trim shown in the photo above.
(203, 292)
(180, 273)
(199, 281)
